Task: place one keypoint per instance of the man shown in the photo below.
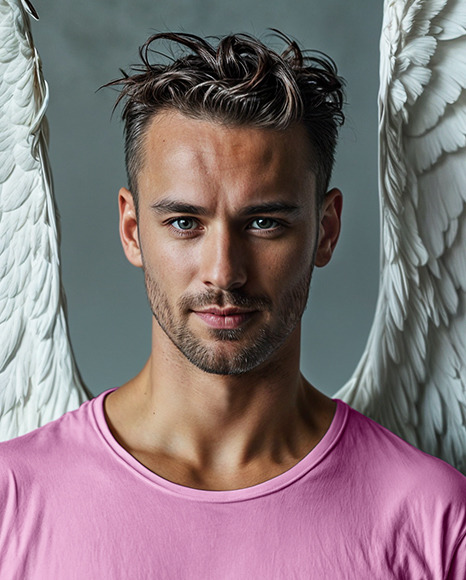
(219, 460)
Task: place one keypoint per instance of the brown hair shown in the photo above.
(240, 81)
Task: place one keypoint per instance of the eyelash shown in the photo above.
(190, 232)
(180, 231)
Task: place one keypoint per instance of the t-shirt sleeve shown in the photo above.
(457, 569)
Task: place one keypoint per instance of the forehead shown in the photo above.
(200, 157)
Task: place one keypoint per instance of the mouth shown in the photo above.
(228, 318)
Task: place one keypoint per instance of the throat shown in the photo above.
(245, 450)
(181, 473)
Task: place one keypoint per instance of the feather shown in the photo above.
(38, 376)
(412, 374)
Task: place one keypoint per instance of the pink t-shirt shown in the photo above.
(361, 505)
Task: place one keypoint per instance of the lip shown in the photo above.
(228, 318)
(228, 311)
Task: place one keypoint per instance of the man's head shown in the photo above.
(222, 213)
(239, 82)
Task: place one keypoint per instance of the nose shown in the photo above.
(223, 260)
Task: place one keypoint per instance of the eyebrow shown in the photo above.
(165, 206)
(271, 207)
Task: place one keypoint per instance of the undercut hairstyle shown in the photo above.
(237, 82)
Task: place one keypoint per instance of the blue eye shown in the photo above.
(264, 224)
(184, 224)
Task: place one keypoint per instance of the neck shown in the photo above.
(216, 423)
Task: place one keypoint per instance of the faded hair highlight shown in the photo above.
(237, 82)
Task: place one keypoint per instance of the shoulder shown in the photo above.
(414, 498)
(39, 472)
(398, 462)
(53, 443)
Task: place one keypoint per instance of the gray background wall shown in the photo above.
(82, 45)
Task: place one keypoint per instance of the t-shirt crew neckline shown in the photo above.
(308, 462)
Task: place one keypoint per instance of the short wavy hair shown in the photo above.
(237, 82)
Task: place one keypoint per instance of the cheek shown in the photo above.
(282, 266)
(167, 262)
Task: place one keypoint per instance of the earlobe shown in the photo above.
(329, 226)
(129, 233)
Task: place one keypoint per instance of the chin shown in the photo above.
(227, 356)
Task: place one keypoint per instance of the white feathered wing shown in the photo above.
(412, 376)
(38, 377)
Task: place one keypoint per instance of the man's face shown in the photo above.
(227, 235)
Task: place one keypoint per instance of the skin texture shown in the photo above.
(227, 235)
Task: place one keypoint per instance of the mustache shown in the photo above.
(223, 299)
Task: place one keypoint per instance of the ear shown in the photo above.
(329, 226)
(129, 233)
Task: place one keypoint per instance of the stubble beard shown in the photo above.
(259, 345)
